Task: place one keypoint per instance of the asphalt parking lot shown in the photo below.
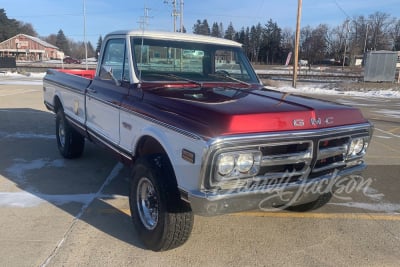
(57, 212)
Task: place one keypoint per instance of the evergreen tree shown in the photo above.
(90, 49)
(98, 47)
(272, 42)
(202, 28)
(215, 31)
(230, 32)
(11, 27)
(63, 43)
(8, 27)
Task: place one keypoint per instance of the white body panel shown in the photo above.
(103, 119)
(72, 102)
(74, 105)
(173, 142)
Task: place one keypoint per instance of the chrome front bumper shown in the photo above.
(266, 198)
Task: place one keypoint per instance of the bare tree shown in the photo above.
(396, 36)
(381, 23)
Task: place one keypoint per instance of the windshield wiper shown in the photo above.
(178, 78)
(225, 76)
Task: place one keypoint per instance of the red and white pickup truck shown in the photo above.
(202, 134)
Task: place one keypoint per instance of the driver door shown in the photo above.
(105, 94)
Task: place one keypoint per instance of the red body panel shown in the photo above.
(214, 112)
(227, 108)
(89, 74)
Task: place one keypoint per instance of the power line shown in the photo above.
(341, 9)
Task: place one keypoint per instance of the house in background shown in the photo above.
(28, 48)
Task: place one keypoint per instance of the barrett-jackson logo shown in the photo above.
(314, 121)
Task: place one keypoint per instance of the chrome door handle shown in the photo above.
(93, 91)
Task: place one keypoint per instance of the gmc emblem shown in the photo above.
(314, 121)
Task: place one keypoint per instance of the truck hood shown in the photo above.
(215, 111)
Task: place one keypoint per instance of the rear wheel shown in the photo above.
(70, 143)
(163, 221)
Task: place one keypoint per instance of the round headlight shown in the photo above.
(226, 164)
(357, 146)
(245, 162)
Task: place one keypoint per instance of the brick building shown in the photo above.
(29, 48)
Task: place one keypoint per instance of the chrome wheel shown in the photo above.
(61, 134)
(147, 203)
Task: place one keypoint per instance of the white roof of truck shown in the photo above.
(161, 35)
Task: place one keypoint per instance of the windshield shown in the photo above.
(171, 60)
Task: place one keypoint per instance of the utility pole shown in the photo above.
(84, 32)
(181, 15)
(144, 20)
(176, 12)
(345, 43)
(366, 38)
(297, 44)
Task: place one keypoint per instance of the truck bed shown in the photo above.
(75, 79)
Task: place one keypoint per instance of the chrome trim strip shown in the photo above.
(163, 124)
(60, 86)
(281, 136)
(75, 123)
(93, 97)
(110, 145)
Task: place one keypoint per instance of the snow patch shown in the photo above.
(19, 199)
(28, 200)
(318, 90)
(389, 113)
(382, 137)
(378, 207)
(18, 169)
(19, 135)
(25, 75)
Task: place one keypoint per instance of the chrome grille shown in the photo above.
(331, 154)
(289, 160)
(294, 161)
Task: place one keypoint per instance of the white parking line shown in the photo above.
(114, 173)
(388, 133)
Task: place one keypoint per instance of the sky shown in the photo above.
(103, 16)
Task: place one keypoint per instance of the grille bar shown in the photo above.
(291, 158)
(332, 151)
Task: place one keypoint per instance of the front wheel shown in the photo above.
(70, 143)
(163, 221)
(316, 204)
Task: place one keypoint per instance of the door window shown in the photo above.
(115, 60)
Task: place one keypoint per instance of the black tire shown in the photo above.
(163, 221)
(70, 143)
(316, 204)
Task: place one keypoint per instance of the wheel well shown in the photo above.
(57, 104)
(148, 145)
